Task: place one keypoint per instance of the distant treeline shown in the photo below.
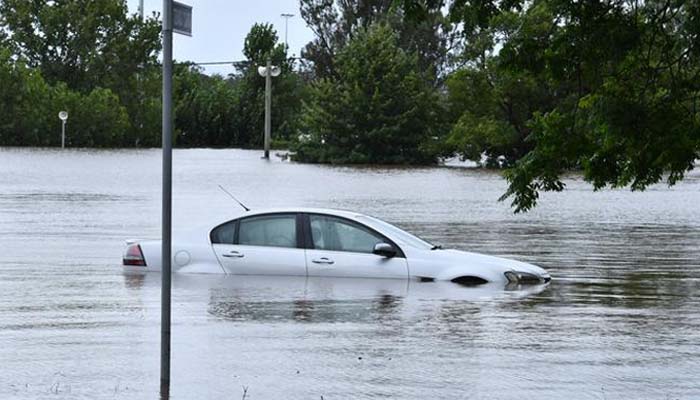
(99, 63)
(541, 87)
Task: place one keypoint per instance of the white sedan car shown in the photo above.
(325, 243)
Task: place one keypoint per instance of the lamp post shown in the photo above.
(63, 116)
(268, 72)
(286, 22)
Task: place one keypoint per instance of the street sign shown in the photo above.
(177, 17)
(182, 18)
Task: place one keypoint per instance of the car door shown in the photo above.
(268, 244)
(339, 247)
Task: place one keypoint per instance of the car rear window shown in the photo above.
(223, 234)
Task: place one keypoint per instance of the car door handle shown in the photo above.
(233, 254)
(323, 260)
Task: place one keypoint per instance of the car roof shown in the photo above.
(233, 214)
(340, 213)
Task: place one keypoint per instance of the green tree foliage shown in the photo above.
(335, 23)
(610, 88)
(90, 44)
(378, 110)
(83, 43)
(24, 97)
(261, 43)
(214, 111)
(29, 107)
(84, 129)
(206, 109)
(491, 103)
(96, 61)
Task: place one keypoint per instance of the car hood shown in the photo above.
(456, 262)
(504, 263)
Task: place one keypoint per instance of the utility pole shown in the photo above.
(268, 106)
(141, 9)
(286, 23)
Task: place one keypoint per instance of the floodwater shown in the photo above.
(621, 319)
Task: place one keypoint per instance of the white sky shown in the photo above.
(219, 28)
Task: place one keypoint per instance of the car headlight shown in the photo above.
(523, 277)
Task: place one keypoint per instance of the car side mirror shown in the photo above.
(384, 250)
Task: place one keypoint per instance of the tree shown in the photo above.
(88, 44)
(24, 103)
(335, 23)
(378, 110)
(29, 107)
(608, 88)
(206, 109)
(261, 43)
(83, 43)
(96, 119)
(490, 101)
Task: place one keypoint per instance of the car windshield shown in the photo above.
(398, 234)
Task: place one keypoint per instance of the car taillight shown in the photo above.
(134, 255)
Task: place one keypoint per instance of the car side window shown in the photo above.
(223, 234)
(268, 230)
(336, 234)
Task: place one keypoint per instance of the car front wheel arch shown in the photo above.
(469, 280)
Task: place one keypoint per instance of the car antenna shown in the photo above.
(230, 195)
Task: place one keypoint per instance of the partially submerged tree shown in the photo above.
(89, 44)
(206, 108)
(610, 88)
(378, 110)
(29, 106)
(288, 88)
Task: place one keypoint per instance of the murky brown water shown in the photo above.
(620, 321)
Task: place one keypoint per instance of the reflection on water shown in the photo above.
(621, 319)
(364, 310)
(322, 300)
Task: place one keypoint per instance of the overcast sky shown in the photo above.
(219, 28)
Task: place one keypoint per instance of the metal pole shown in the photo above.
(268, 106)
(139, 87)
(63, 135)
(167, 198)
(286, 23)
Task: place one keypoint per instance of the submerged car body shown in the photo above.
(325, 243)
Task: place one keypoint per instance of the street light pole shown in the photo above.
(167, 198)
(268, 106)
(286, 23)
(63, 116)
(268, 72)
